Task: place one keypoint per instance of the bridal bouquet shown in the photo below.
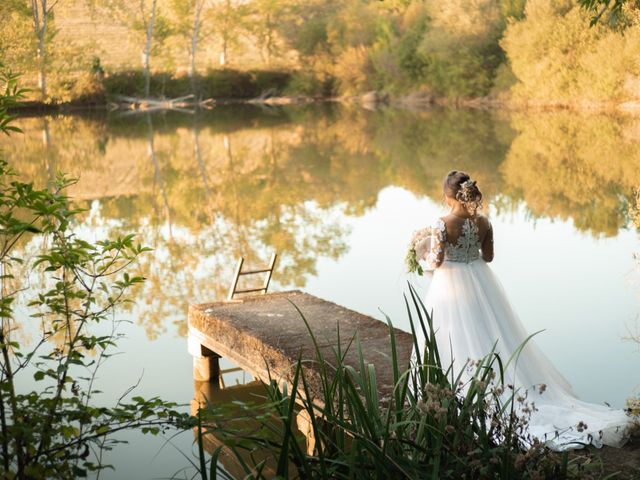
(418, 250)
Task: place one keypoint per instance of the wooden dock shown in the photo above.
(264, 334)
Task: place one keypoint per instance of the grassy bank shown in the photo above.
(97, 90)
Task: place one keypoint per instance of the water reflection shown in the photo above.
(203, 189)
(241, 420)
(583, 168)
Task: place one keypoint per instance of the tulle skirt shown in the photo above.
(470, 313)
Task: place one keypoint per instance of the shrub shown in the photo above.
(222, 83)
(303, 82)
(51, 428)
(353, 71)
(461, 47)
(228, 83)
(559, 59)
(89, 89)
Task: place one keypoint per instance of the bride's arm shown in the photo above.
(438, 237)
(487, 243)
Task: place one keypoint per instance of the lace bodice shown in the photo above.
(466, 248)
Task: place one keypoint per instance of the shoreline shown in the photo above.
(39, 107)
(370, 100)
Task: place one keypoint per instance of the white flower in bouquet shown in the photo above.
(419, 248)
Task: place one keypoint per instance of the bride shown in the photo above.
(471, 312)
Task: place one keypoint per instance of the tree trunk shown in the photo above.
(225, 34)
(269, 39)
(223, 55)
(42, 74)
(194, 43)
(40, 22)
(147, 50)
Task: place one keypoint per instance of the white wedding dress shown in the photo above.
(471, 312)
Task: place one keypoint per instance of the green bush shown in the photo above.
(129, 82)
(89, 89)
(222, 83)
(229, 84)
(303, 82)
(50, 427)
(271, 80)
(448, 49)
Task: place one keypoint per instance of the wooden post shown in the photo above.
(206, 368)
(272, 263)
(236, 276)
(203, 394)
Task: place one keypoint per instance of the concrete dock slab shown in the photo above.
(264, 334)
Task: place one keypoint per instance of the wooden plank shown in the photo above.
(272, 264)
(236, 276)
(250, 290)
(251, 272)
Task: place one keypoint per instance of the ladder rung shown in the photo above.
(250, 272)
(249, 290)
(230, 370)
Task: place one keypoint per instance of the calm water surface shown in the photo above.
(337, 193)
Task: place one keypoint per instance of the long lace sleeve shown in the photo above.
(438, 237)
(487, 244)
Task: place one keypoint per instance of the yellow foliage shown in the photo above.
(559, 59)
(461, 21)
(353, 70)
(574, 167)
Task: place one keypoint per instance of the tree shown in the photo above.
(148, 20)
(42, 15)
(512, 9)
(613, 8)
(188, 26)
(264, 25)
(148, 27)
(228, 20)
(16, 40)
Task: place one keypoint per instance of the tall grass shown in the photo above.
(436, 423)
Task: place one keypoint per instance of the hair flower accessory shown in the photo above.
(469, 195)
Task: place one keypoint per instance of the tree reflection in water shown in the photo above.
(204, 189)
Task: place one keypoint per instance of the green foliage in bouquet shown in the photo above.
(418, 247)
(411, 260)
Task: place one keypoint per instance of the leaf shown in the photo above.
(102, 429)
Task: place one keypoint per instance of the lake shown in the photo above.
(337, 191)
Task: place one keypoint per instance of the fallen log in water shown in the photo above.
(151, 104)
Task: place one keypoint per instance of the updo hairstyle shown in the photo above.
(459, 186)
